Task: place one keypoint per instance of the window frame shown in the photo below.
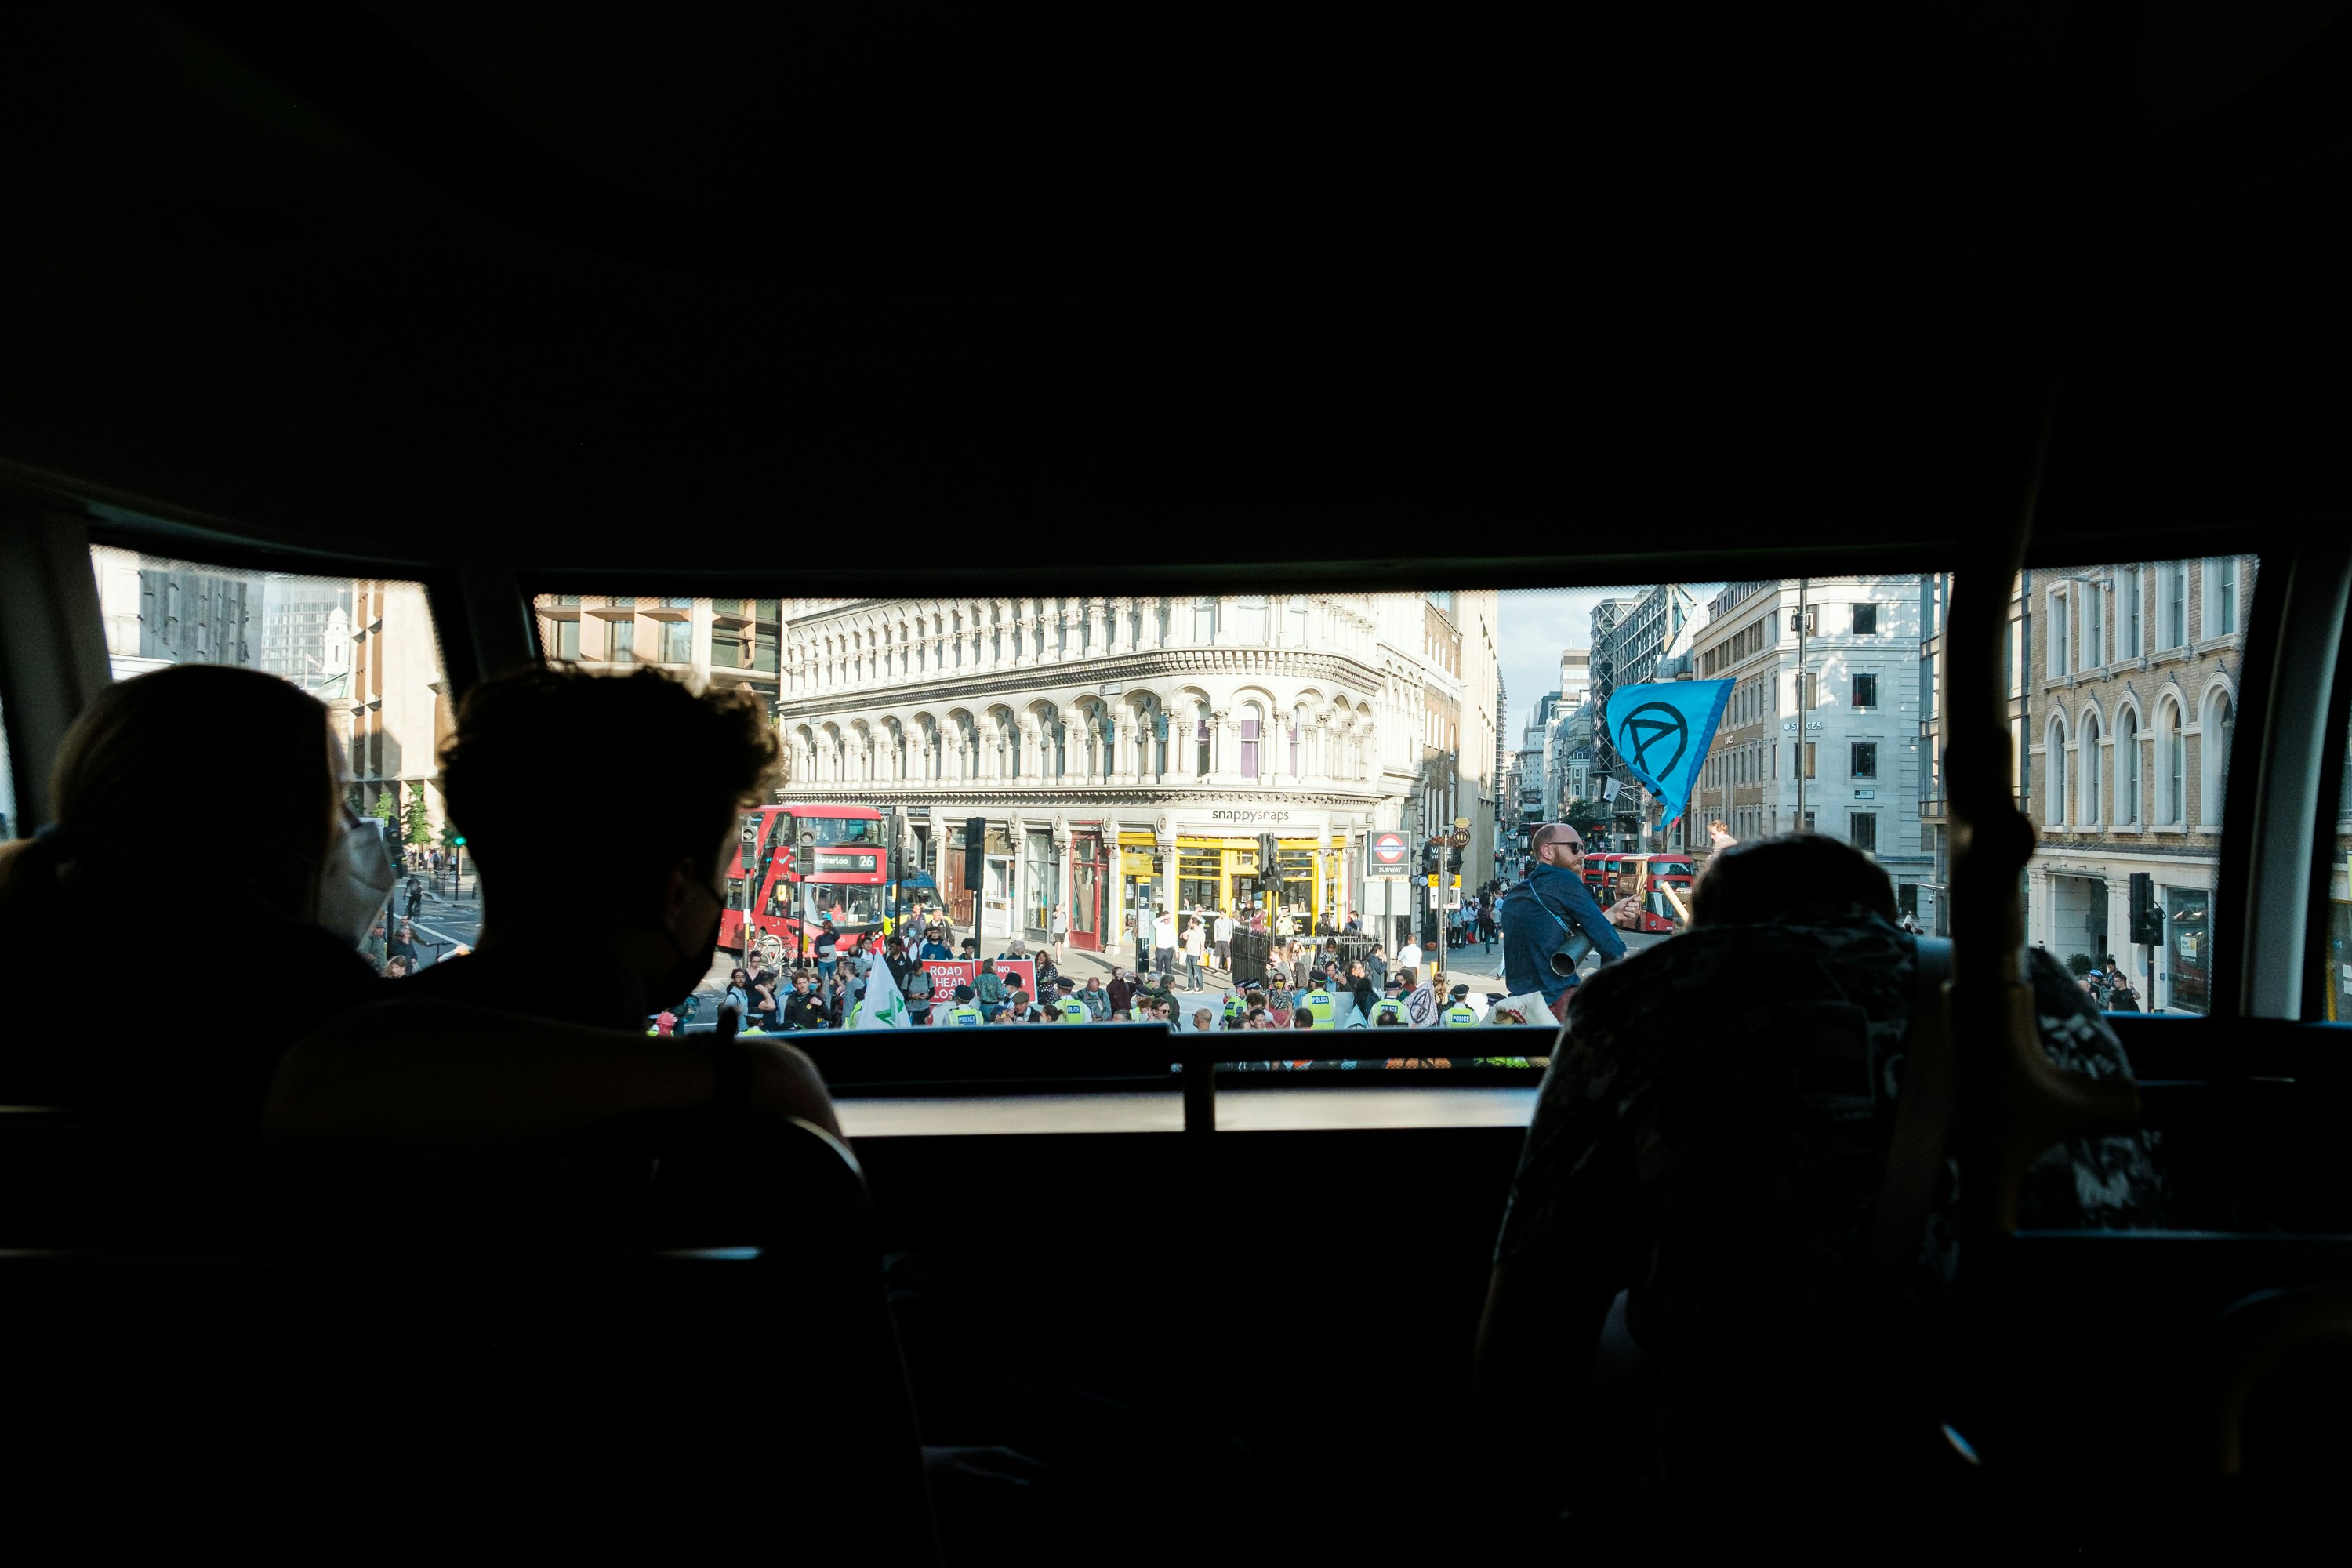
(452, 650)
(2056, 781)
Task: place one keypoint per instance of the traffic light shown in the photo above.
(975, 856)
(1454, 859)
(1428, 856)
(1269, 863)
(803, 860)
(2147, 918)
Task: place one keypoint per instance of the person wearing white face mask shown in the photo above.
(297, 880)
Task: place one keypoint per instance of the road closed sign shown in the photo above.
(1389, 856)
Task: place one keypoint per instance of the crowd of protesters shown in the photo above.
(1304, 984)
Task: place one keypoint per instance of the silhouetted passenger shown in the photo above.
(540, 1033)
(1710, 1141)
(299, 880)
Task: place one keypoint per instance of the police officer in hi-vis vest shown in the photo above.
(1459, 1012)
(1319, 1001)
(1065, 1008)
(1234, 1010)
(1391, 1005)
(963, 1014)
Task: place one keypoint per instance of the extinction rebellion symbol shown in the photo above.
(1648, 727)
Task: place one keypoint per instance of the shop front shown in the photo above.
(1220, 872)
(2188, 950)
(1041, 886)
(1089, 875)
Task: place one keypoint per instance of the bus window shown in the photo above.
(2125, 705)
(364, 647)
(900, 721)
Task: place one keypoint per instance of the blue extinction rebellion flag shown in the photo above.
(1663, 730)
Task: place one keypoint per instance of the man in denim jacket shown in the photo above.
(1538, 914)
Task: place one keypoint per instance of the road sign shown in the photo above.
(1389, 856)
(1461, 822)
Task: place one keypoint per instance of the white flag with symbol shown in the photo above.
(884, 1007)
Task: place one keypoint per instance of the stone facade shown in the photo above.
(1128, 751)
(1855, 773)
(2133, 674)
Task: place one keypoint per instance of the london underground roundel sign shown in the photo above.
(1388, 849)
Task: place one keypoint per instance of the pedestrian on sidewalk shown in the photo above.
(1057, 926)
(1164, 944)
(1196, 936)
(1222, 933)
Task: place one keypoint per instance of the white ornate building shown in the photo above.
(1129, 751)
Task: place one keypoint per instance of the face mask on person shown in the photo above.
(354, 879)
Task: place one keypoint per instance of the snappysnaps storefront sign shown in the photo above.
(1221, 816)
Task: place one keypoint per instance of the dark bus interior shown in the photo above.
(509, 299)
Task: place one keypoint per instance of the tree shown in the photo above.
(420, 817)
(1589, 816)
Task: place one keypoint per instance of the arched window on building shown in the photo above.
(2086, 765)
(1251, 717)
(1205, 619)
(2213, 769)
(1057, 739)
(2054, 797)
(2128, 768)
(1200, 738)
(2169, 806)
(1295, 759)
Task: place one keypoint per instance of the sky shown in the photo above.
(1534, 623)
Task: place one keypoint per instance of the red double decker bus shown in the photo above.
(1648, 877)
(794, 865)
